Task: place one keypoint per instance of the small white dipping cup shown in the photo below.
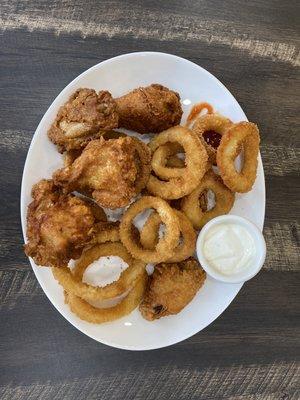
(259, 243)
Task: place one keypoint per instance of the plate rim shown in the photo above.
(23, 211)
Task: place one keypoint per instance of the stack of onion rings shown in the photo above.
(241, 135)
(89, 313)
(166, 245)
(181, 181)
(78, 294)
(224, 199)
(150, 236)
(71, 281)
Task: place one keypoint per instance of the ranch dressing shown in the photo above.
(229, 248)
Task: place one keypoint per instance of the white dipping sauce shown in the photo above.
(103, 271)
(229, 248)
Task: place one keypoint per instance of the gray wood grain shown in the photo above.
(252, 352)
(236, 355)
(273, 380)
(149, 24)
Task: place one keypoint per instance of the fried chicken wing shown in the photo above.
(83, 118)
(59, 226)
(171, 287)
(150, 109)
(107, 170)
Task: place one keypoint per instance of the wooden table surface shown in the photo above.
(252, 351)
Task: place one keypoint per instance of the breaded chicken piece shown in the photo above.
(71, 155)
(82, 118)
(171, 287)
(106, 170)
(59, 226)
(150, 109)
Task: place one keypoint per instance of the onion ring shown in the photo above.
(149, 236)
(224, 200)
(195, 161)
(215, 123)
(175, 162)
(165, 246)
(245, 135)
(95, 315)
(161, 161)
(73, 284)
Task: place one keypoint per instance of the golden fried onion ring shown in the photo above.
(96, 315)
(72, 283)
(149, 236)
(195, 160)
(224, 199)
(245, 135)
(161, 161)
(165, 246)
(175, 162)
(211, 122)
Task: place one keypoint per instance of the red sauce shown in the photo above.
(212, 138)
(196, 110)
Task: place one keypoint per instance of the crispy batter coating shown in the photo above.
(171, 287)
(58, 226)
(98, 212)
(71, 155)
(150, 109)
(107, 170)
(82, 118)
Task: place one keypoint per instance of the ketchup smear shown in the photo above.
(212, 138)
(196, 110)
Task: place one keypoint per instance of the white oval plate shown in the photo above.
(194, 84)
